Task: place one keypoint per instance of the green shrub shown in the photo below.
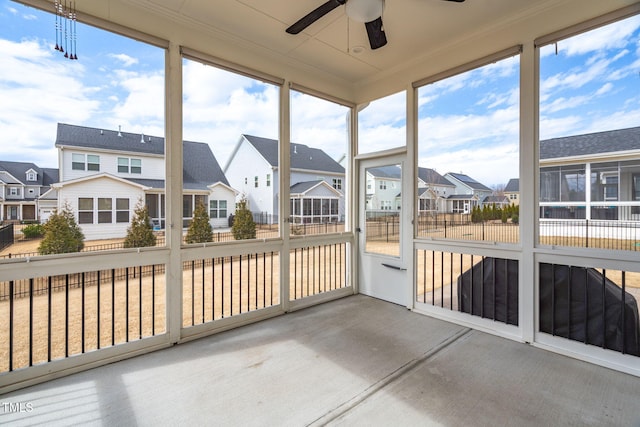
(505, 216)
(140, 231)
(33, 231)
(61, 233)
(200, 228)
(515, 218)
(243, 225)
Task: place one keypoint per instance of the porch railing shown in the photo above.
(48, 318)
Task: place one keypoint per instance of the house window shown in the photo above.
(246, 180)
(127, 165)
(93, 162)
(268, 180)
(337, 183)
(85, 210)
(13, 191)
(136, 166)
(123, 165)
(383, 185)
(32, 176)
(217, 208)
(122, 210)
(255, 182)
(105, 214)
(77, 162)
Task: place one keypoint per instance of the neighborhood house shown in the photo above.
(105, 173)
(316, 181)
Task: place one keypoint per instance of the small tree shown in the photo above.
(140, 232)
(61, 233)
(243, 225)
(200, 229)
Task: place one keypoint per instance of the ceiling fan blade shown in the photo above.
(375, 31)
(314, 15)
(457, 1)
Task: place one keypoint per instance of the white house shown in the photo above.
(22, 186)
(433, 191)
(384, 185)
(317, 180)
(104, 174)
(468, 193)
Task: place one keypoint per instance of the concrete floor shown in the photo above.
(355, 361)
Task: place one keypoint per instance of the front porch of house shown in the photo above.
(352, 361)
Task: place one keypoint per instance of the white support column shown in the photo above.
(284, 162)
(351, 198)
(529, 61)
(409, 190)
(173, 188)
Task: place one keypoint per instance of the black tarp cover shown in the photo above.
(490, 289)
(583, 319)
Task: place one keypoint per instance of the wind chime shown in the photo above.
(66, 34)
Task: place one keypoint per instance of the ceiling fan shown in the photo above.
(367, 11)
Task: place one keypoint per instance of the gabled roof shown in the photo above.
(302, 156)
(99, 176)
(468, 181)
(430, 176)
(18, 170)
(392, 171)
(200, 167)
(513, 186)
(591, 144)
(461, 197)
(307, 186)
(7, 178)
(495, 199)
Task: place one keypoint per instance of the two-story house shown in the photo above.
(468, 193)
(104, 174)
(512, 191)
(316, 181)
(384, 186)
(433, 191)
(22, 184)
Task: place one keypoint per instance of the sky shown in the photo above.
(467, 123)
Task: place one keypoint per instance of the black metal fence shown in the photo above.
(481, 286)
(615, 235)
(228, 286)
(594, 306)
(318, 269)
(48, 318)
(6, 236)
(612, 235)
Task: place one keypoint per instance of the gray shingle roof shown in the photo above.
(495, 199)
(19, 171)
(200, 167)
(301, 187)
(102, 139)
(430, 176)
(302, 156)
(386, 172)
(472, 183)
(513, 186)
(592, 143)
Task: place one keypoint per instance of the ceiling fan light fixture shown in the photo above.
(364, 10)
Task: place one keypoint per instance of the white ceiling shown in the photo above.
(424, 36)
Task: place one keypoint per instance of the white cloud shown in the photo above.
(125, 59)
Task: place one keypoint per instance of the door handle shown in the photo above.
(395, 267)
